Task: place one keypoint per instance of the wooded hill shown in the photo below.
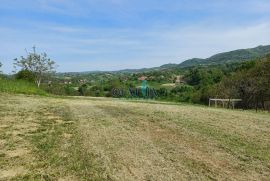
(229, 57)
(235, 56)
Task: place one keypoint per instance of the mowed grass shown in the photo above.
(43, 138)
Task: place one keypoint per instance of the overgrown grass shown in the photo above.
(19, 87)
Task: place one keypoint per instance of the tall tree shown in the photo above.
(39, 64)
(0, 67)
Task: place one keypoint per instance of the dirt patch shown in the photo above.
(17, 153)
(68, 178)
(67, 136)
(17, 133)
(6, 174)
(2, 143)
(52, 117)
(25, 127)
(59, 121)
(48, 114)
(3, 126)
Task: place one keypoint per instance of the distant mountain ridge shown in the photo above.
(234, 56)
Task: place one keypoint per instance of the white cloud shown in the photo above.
(133, 48)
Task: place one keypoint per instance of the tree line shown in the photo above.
(249, 81)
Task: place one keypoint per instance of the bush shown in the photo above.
(25, 75)
(60, 89)
(82, 89)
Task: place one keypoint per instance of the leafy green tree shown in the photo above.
(68, 90)
(193, 77)
(162, 92)
(260, 75)
(251, 83)
(39, 64)
(182, 93)
(216, 75)
(82, 89)
(201, 77)
(25, 75)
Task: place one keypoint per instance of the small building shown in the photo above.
(142, 78)
(179, 79)
(82, 81)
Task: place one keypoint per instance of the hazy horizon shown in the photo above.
(91, 35)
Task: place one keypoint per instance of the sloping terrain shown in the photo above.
(44, 138)
(235, 56)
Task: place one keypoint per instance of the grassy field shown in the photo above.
(45, 138)
(19, 87)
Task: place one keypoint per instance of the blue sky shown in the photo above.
(87, 35)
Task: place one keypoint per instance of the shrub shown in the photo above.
(82, 89)
(25, 75)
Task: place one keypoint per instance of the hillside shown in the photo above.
(235, 56)
(229, 57)
(45, 138)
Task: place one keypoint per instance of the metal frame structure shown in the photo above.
(224, 101)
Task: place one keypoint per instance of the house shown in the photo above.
(142, 78)
(179, 79)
